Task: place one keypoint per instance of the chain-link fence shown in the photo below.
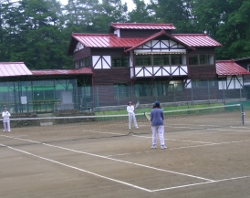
(51, 96)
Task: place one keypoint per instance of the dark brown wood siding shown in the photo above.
(202, 72)
(107, 51)
(139, 33)
(204, 50)
(81, 54)
(111, 76)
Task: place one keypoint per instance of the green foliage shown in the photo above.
(141, 13)
(38, 32)
(227, 21)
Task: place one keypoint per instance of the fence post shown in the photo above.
(208, 87)
(242, 114)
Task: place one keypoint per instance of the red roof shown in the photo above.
(144, 26)
(8, 69)
(197, 40)
(112, 41)
(229, 67)
(162, 32)
(105, 40)
(84, 70)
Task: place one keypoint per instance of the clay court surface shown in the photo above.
(67, 162)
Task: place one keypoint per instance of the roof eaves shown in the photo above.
(229, 67)
(199, 42)
(143, 25)
(162, 32)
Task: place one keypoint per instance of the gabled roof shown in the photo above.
(229, 67)
(105, 40)
(11, 69)
(242, 59)
(162, 32)
(197, 40)
(112, 41)
(84, 70)
(143, 26)
(8, 69)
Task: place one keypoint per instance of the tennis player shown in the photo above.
(6, 120)
(157, 125)
(131, 115)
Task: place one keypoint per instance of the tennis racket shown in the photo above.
(137, 105)
(147, 116)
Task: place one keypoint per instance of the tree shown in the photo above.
(226, 21)
(177, 12)
(142, 13)
(39, 38)
(109, 11)
(80, 14)
(9, 21)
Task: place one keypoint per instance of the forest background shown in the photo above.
(37, 32)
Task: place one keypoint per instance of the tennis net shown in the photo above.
(71, 128)
(204, 118)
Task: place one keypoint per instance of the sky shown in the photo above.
(129, 3)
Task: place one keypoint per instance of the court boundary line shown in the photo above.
(187, 147)
(206, 181)
(113, 159)
(122, 182)
(201, 183)
(79, 169)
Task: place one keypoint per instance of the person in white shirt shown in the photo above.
(131, 115)
(6, 120)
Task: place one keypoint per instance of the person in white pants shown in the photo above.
(157, 125)
(6, 120)
(131, 116)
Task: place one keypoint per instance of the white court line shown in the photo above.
(117, 160)
(79, 169)
(241, 127)
(122, 182)
(25, 140)
(201, 183)
(187, 147)
(208, 181)
(128, 162)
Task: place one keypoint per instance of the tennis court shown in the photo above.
(203, 159)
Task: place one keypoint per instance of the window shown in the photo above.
(82, 63)
(176, 85)
(143, 61)
(199, 83)
(201, 59)
(193, 60)
(77, 64)
(176, 59)
(120, 61)
(87, 61)
(160, 60)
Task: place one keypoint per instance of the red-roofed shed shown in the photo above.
(12, 69)
(229, 67)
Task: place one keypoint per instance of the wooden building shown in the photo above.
(150, 59)
(133, 61)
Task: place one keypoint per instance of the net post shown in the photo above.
(242, 114)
